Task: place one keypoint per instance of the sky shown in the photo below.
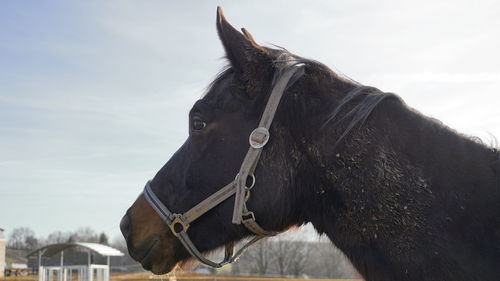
(94, 95)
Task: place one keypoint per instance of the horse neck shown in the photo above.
(444, 156)
(393, 169)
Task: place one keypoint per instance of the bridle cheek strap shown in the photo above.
(286, 74)
(259, 138)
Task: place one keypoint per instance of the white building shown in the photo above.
(2, 252)
(83, 272)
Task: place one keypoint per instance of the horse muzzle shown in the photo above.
(148, 241)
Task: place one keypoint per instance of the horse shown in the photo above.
(403, 196)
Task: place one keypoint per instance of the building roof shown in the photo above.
(17, 266)
(53, 249)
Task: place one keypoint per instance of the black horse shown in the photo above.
(402, 195)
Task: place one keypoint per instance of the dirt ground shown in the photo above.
(187, 276)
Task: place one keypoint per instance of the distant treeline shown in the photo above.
(284, 255)
(24, 238)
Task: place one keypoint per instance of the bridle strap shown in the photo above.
(179, 223)
(210, 202)
(258, 137)
(169, 219)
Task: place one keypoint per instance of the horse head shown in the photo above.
(393, 189)
(219, 127)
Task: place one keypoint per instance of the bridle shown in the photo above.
(287, 72)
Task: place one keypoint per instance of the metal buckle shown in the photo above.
(247, 194)
(178, 220)
(252, 176)
(249, 216)
(259, 137)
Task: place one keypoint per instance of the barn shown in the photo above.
(90, 261)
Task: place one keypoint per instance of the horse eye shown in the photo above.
(198, 124)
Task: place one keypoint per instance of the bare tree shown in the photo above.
(31, 242)
(331, 261)
(327, 261)
(299, 255)
(281, 255)
(290, 256)
(58, 237)
(260, 255)
(22, 238)
(86, 234)
(82, 234)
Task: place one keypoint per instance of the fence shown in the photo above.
(74, 273)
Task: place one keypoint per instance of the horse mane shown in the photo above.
(356, 105)
(368, 98)
(351, 111)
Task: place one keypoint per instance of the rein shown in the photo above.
(286, 74)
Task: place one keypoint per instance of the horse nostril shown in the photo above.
(125, 226)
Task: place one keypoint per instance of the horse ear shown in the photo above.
(241, 49)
